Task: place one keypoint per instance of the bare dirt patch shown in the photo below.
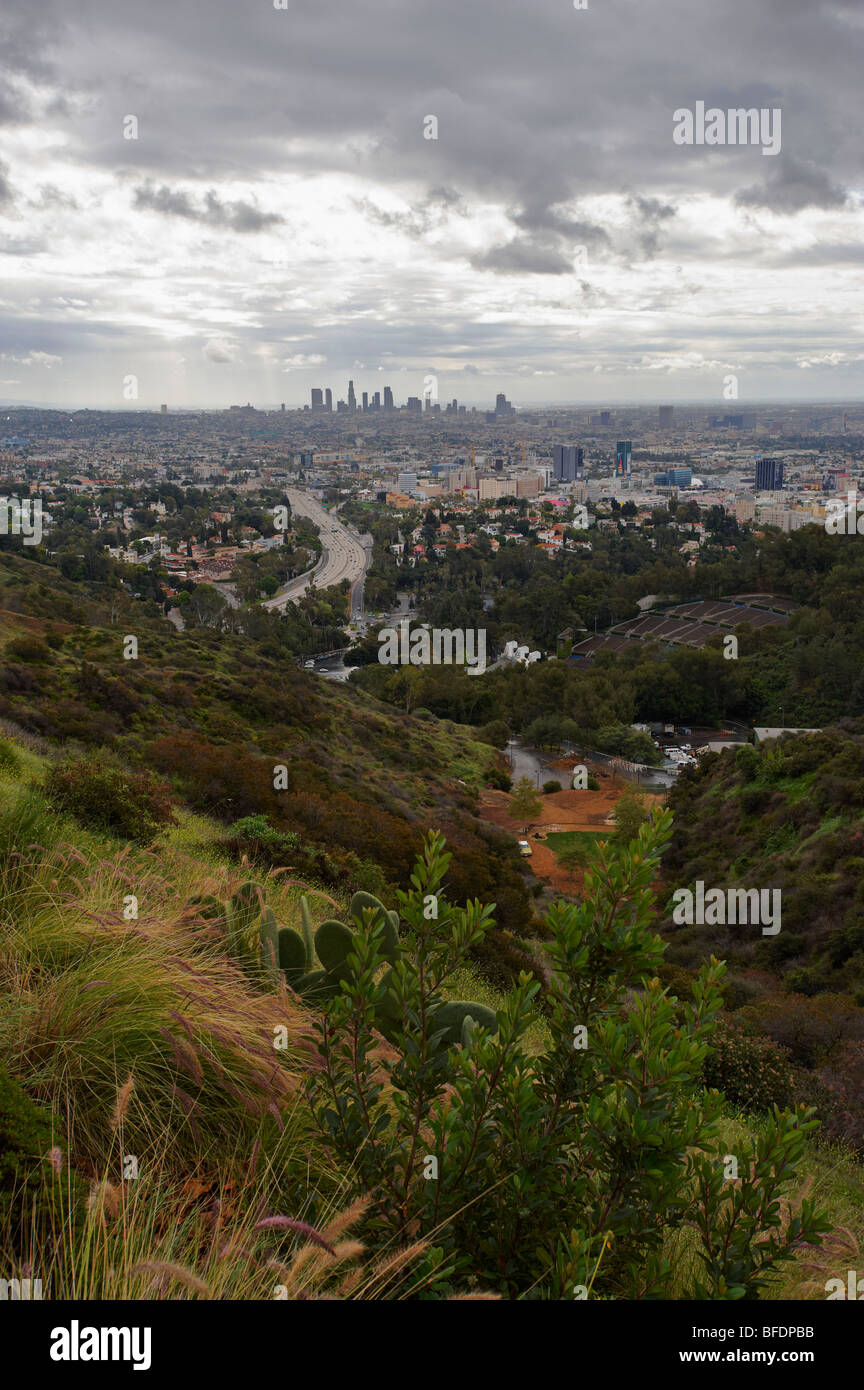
(564, 810)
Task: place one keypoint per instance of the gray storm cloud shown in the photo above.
(280, 164)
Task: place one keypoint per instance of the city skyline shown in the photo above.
(203, 213)
(478, 406)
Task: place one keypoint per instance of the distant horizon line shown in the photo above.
(701, 403)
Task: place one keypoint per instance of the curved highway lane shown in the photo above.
(342, 555)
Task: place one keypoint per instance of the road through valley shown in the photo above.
(342, 555)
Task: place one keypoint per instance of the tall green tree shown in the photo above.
(525, 804)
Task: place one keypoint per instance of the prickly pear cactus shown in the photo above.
(458, 1019)
(315, 963)
(292, 954)
(306, 919)
(334, 943)
(250, 929)
(268, 945)
(389, 919)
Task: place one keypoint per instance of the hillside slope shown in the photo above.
(787, 815)
(240, 731)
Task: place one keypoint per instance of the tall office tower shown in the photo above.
(376, 401)
(388, 398)
(414, 403)
(365, 400)
(623, 455)
(567, 463)
(328, 399)
(317, 398)
(605, 417)
(679, 477)
(282, 407)
(164, 409)
(769, 475)
(352, 399)
(502, 405)
(665, 413)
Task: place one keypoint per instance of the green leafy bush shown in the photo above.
(26, 1140)
(31, 650)
(10, 762)
(755, 800)
(551, 786)
(630, 812)
(678, 981)
(752, 1072)
(805, 980)
(574, 1167)
(103, 797)
(497, 733)
(24, 1136)
(255, 836)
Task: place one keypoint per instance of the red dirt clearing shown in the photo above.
(564, 810)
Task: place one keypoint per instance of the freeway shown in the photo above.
(342, 556)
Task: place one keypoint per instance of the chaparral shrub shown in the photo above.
(752, 1072)
(10, 761)
(31, 1159)
(546, 1176)
(104, 797)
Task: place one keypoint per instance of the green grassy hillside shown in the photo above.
(162, 1136)
(218, 715)
(178, 1118)
(788, 815)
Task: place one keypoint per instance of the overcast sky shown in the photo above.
(282, 222)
